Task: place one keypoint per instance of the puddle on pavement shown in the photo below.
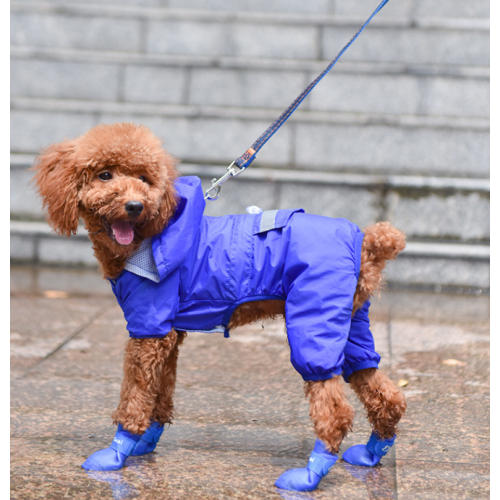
(380, 482)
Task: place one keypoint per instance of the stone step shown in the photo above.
(426, 208)
(318, 140)
(461, 91)
(463, 268)
(25, 52)
(418, 15)
(424, 40)
(408, 10)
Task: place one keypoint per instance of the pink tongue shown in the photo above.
(123, 232)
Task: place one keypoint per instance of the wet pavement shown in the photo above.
(241, 417)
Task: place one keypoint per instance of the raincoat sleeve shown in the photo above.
(318, 317)
(149, 308)
(360, 351)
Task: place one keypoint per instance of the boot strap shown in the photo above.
(152, 435)
(319, 464)
(378, 447)
(123, 444)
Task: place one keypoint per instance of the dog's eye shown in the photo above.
(143, 179)
(105, 176)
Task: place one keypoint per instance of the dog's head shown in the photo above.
(117, 178)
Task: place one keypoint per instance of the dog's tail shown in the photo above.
(382, 242)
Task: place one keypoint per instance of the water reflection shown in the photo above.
(120, 488)
(379, 481)
(294, 495)
(139, 470)
(140, 474)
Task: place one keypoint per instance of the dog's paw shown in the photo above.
(308, 478)
(105, 460)
(368, 455)
(359, 455)
(298, 480)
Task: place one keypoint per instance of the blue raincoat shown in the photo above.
(193, 275)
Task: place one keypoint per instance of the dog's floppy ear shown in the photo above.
(169, 199)
(57, 183)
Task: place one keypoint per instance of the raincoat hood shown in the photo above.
(171, 247)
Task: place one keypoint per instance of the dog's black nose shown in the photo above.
(134, 208)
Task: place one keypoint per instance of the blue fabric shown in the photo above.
(359, 455)
(379, 446)
(320, 464)
(370, 454)
(359, 351)
(114, 457)
(149, 439)
(308, 478)
(209, 265)
(123, 444)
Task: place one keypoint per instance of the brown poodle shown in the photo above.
(73, 180)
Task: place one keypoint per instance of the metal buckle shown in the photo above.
(214, 192)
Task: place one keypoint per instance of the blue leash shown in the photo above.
(244, 161)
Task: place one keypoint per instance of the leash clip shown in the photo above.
(214, 192)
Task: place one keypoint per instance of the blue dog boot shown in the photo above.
(149, 439)
(113, 458)
(308, 478)
(370, 454)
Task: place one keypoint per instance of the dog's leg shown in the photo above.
(385, 404)
(332, 416)
(383, 399)
(142, 382)
(331, 413)
(164, 405)
(143, 367)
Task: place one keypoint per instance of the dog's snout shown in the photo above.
(134, 208)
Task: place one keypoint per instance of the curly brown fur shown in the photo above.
(384, 401)
(382, 242)
(144, 370)
(331, 413)
(68, 181)
(250, 312)
(164, 405)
